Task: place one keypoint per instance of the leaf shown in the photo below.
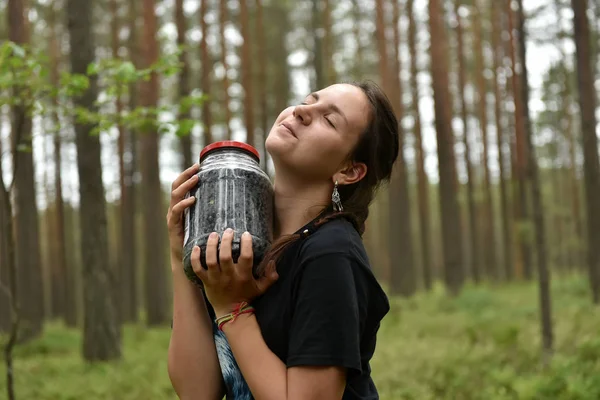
(92, 69)
(24, 148)
(126, 72)
(17, 50)
(185, 127)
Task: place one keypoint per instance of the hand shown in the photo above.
(227, 284)
(181, 186)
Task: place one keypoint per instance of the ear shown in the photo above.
(351, 174)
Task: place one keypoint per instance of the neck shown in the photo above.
(298, 203)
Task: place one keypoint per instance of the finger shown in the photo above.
(269, 278)
(184, 176)
(225, 257)
(197, 265)
(244, 264)
(179, 208)
(211, 252)
(178, 194)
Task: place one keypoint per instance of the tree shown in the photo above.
(246, 66)
(521, 157)
(62, 289)
(450, 211)
(422, 179)
(101, 331)
(591, 164)
(184, 77)
(482, 91)
(262, 81)
(404, 277)
(127, 144)
(222, 22)
(206, 69)
(328, 52)
(317, 57)
(500, 140)
(471, 205)
(153, 208)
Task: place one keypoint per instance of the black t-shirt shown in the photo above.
(324, 310)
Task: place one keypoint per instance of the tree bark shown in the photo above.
(474, 247)
(422, 179)
(184, 78)
(223, 16)
(521, 202)
(153, 208)
(328, 50)
(450, 211)
(591, 164)
(500, 135)
(482, 90)
(101, 331)
(27, 236)
(319, 78)
(128, 256)
(206, 69)
(5, 295)
(247, 76)
(404, 277)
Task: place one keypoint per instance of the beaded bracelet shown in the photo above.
(242, 308)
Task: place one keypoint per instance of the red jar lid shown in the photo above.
(230, 144)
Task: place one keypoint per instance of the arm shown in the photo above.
(269, 378)
(193, 364)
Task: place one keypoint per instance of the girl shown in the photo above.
(307, 328)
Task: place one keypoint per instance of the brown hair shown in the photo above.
(378, 149)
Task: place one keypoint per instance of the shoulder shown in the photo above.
(337, 236)
(336, 257)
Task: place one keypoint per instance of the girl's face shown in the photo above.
(315, 138)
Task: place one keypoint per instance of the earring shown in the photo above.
(335, 199)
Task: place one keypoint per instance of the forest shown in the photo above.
(486, 240)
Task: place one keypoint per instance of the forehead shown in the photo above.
(350, 100)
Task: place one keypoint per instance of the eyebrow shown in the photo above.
(331, 107)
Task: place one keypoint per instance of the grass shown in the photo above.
(484, 344)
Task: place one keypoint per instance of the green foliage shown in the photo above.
(24, 82)
(482, 345)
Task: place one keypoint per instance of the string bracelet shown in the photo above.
(241, 308)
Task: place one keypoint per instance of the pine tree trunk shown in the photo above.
(318, 46)
(404, 276)
(521, 203)
(153, 208)
(247, 76)
(450, 211)
(128, 256)
(482, 90)
(474, 234)
(27, 236)
(505, 215)
(101, 331)
(358, 65)
(223, 16)
(206, 69)
(262, 82)
(422, 179)
(184, 77)
(328, 49)
(538, 207)
(591, 164)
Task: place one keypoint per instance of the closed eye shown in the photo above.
(330, 123)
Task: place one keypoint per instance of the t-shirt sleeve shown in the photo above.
(325, 325)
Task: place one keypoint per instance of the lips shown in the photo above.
(288, 126)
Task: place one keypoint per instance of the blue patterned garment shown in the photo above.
(236, 386)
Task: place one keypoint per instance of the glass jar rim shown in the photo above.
(229, 144)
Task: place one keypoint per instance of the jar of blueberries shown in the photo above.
(232, 192)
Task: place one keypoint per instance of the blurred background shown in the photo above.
(487, 239)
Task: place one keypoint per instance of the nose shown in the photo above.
(302, 112)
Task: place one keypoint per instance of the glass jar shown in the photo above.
(232, 192)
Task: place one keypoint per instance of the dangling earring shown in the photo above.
(335, 199)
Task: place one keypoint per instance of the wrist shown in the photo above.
(225, 316)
